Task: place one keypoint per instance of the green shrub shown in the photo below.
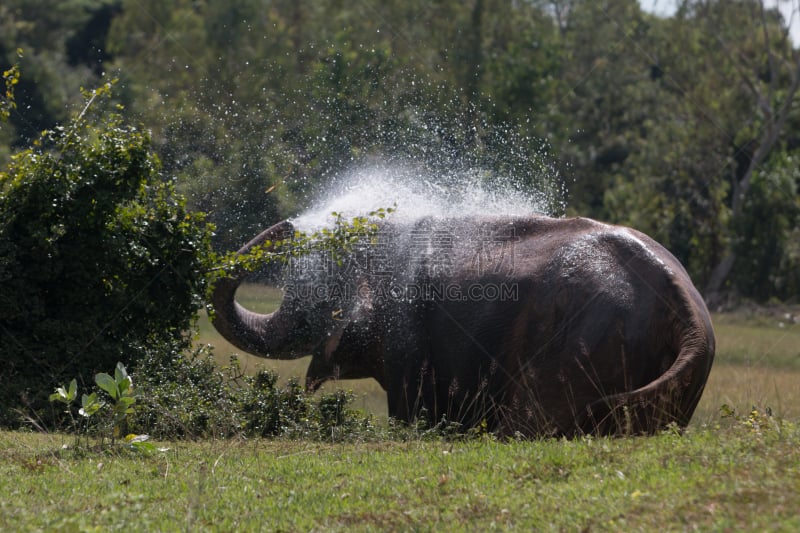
(335, 420)
(192, 397)
(187, 395)
(269, 410)
(100, 261)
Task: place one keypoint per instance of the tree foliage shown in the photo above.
(669, 124)
(100, 259)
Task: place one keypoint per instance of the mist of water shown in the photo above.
(414, 191)
(424, 158)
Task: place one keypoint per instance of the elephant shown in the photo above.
(527, 325)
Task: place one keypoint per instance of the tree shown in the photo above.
(41, 28)
(767, 67)
(713, 102)
(100, 260)
(255, 107)
(727, 86)
(603, 94)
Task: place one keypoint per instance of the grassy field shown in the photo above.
(732, 473)
(757, 364)
(737, 478)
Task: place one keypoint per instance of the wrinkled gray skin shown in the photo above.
(601, 330)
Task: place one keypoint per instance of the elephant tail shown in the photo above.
(672, 397)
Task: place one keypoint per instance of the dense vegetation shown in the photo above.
(100, 260)
(684, 127)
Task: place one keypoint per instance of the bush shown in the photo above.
(191, 397)
(186, 396)
(100, 261)
(102, 264)
(268, 410)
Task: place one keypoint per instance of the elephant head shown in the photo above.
(337, 332)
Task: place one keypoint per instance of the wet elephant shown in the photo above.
(532, 325)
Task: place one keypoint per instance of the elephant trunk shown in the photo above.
(277, 334)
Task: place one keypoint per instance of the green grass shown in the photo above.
(757, 364)
(733, 478)
(758, 341)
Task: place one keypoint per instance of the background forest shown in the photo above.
(686, 127)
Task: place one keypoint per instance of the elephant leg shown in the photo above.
(407, 370)
(405, 387)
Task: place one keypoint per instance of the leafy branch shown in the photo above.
(338, 240)
(11, 79)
